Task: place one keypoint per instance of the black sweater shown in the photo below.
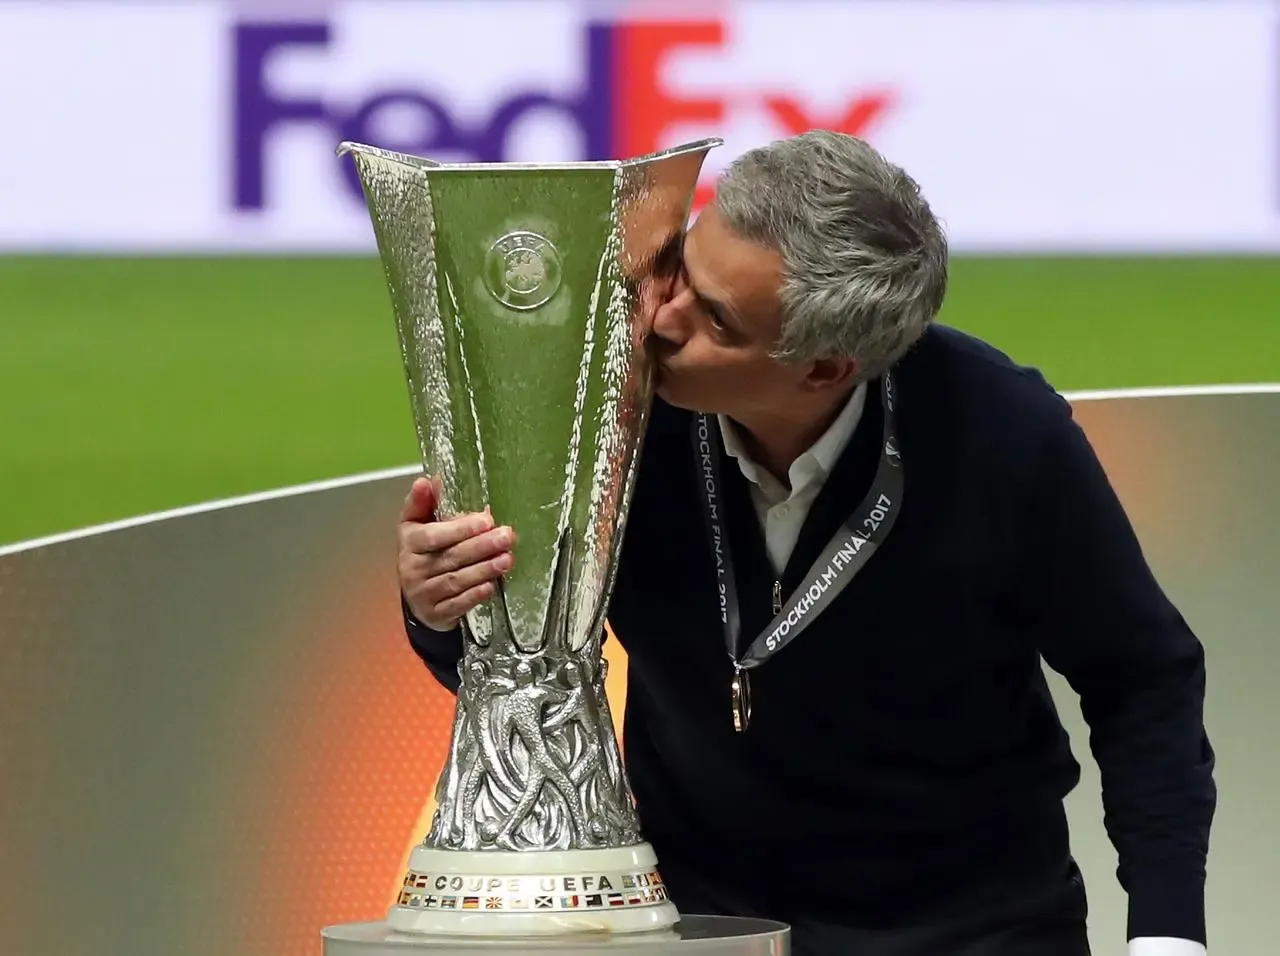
(904, 755)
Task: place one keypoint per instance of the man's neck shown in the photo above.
(775, 440)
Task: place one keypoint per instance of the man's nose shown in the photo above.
(671, 322)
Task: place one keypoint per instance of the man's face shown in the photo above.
(712, 337)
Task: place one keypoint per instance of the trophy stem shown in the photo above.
(533, 763)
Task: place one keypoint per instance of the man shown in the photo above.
(897, 789)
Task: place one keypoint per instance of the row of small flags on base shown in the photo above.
(653, 894)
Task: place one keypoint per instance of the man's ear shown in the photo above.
(828, 373)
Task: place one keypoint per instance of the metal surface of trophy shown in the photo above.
(522, 295)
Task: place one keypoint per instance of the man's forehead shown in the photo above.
(713, 250)
(700, 246)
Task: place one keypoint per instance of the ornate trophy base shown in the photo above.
(703, 935)
(532, 893)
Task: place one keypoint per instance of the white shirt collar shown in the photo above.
(814, 465)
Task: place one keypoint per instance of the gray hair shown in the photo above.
(864, 259)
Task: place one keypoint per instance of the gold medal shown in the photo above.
(741, 698)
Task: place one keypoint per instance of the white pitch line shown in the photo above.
(274, 493)
(1172, 391)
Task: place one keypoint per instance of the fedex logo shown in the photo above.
(622, 106)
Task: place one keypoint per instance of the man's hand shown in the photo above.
(448, 567)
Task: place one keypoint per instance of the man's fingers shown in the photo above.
(448, 585)
(420, 503)
(438, 535)
(474, 550)
(456, 607)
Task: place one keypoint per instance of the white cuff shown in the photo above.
(1164, 946)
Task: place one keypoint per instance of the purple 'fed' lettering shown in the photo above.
(258, 112)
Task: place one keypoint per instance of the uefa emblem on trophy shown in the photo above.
(521, 294)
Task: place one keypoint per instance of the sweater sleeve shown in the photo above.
(440, 650)
(1106, 626)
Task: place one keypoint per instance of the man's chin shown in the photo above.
(662, 385)
(663, 389)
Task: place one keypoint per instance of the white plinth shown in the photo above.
(693, 935)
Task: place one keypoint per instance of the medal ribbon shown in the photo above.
(849, 549)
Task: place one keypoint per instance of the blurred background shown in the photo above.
(189, 307)
(190, 310)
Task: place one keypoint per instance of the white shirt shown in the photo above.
(782, 512)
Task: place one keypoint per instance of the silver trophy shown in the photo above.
(522, 295)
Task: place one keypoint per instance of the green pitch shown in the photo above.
(134, 385)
